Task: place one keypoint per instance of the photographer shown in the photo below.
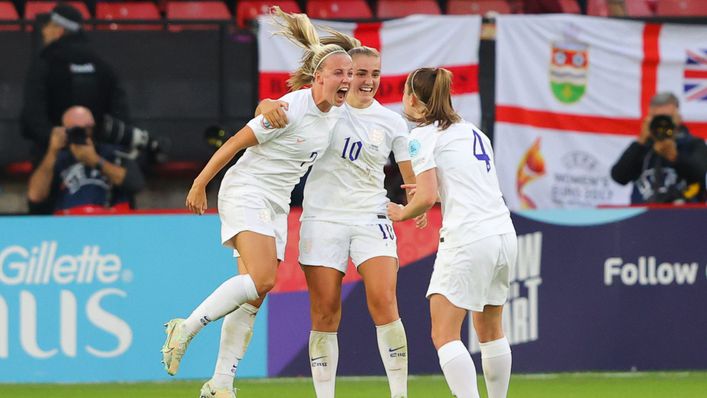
(77, 177)
(66, 73)
(666, 164)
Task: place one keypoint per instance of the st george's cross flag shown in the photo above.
(571, 92)
(405, 44)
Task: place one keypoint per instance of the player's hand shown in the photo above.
(421, 221)
(395, 212)
(274, 113)
(196, 199)
(410, 188)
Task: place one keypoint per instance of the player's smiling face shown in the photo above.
(366, 80)
(335, 77)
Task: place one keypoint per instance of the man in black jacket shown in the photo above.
(67, 73)
(666, 165)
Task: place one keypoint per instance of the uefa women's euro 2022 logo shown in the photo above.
(569, 66)
(414, 148)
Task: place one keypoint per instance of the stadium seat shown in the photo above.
(402, 8)
(134, 10)
(8, 13)
(638, 8)
(479, 7)
(339, 9)
(196, 10)
(247, 11)
(32, 8)
(570, 7)
(597, 8)
(682, 8)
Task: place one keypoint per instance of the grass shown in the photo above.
(563, 385)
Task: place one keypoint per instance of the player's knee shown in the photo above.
(383, 309)
(264, 284)
(326, 316)
(441, 337)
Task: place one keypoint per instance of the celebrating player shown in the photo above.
(477, 240)
(344, 216)
(255, 193)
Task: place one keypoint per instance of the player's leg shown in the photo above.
(496, 357)
(324, 285)
(380, 276)
(257, 250)
(495, 350)
(236, 333)
(454, 358)
(324, 254)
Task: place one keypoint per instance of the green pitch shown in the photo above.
(571, 385)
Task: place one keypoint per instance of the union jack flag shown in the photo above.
(695, 86)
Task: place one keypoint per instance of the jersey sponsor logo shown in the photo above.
(414, 148)
(568, 70)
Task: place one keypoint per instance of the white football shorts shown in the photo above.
(474, 275)
(254, 214)
(330, 244)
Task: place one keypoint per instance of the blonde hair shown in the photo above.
(433, 88)
(350, 44)
(299, 29)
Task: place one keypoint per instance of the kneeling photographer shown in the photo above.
(78, 175)
(666, 163)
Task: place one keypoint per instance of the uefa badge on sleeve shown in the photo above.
(414, 148)
(266, 124)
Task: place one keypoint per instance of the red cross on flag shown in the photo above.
(405, 44)
(571, 92)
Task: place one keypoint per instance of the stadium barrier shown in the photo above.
(83, 299)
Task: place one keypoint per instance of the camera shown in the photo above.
(76, 135)
(662, 127)
(118, 132)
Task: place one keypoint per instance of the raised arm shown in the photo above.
(196, 198)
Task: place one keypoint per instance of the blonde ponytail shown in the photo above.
(299, 30)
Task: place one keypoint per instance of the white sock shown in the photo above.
(323, 358)
(496, 362)
(236, 332)
(222, 301)
(458, 369)
(393, 348)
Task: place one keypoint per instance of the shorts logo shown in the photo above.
(264, 216)
(414, 148)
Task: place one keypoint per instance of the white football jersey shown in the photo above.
(346, 185)
(472, 203)
(274, 166)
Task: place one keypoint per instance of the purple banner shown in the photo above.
(592, 290)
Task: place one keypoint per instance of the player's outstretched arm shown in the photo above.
(196, 198)
(425, 197)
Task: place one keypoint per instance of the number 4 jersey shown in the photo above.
(472, 203)
(346, 185)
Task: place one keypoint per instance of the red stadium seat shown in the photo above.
(339, 9)
(478, 7)
(247, 11)
(570, 7)
(598, 8)
(32, 8)
(196, 10)
(402, 8)
(135, 10)
(8, 13)
(682, 8)
(638, 8)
